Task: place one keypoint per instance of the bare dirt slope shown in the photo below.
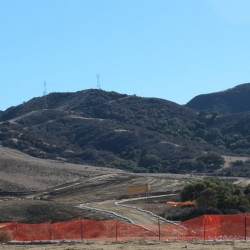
(21, 172)
(35, 190)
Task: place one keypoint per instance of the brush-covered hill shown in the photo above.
(234, 100)
(99, 104)
(123, 131)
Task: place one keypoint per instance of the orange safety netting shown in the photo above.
(31, 232)
(229, 227)
(181, 203)
(211, 225)
(102, 229)
(69, 230)
(126, 231)
(206, 227)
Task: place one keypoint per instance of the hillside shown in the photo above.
(115, 130)
(234, 100)
(101, 104)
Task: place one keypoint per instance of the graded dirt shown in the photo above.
(36, 190)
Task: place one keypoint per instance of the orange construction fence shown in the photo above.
(179, 203)
(206, 227)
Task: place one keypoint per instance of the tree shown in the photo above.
(200, 166)
(198, 188)
(247, 189)
(207, 198)
(243, 203)
(222, 192)
(212, 192)
(213, 134)
(149, 160)
(232, 201)
(200, 133)
(199, 124)
(101, 163)
(203, 115)
(212, 159)
(240, 144)
(214, 115)
(186, 165)
(155, 168)
(187, 193)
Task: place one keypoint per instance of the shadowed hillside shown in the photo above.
(115, 130)
(230, 101)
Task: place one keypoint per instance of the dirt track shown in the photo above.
(52, 183)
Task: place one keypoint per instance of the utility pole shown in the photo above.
(45, 106)
(98, 82)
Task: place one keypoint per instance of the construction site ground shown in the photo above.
(36, 190)
(138, 245)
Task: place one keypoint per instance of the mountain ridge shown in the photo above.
(123, 131)
(232, 100)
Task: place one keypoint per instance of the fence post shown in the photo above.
(159, 229)
(116, 230)
(50, 230)
(245, 227)
(82, 229)
(204, 229)
(16, 230)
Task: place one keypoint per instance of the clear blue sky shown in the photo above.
(170, 49)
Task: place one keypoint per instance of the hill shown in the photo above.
(115, 130)
(234, 100)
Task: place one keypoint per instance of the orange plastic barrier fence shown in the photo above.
(103, 229)
(31, 232)
(179, 203)
(206, 227)
(70, 230)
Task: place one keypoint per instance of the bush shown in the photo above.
(123, 197)
(188, 212)
(5, 236)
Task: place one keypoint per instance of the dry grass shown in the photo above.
(136, 245)
(5, 236)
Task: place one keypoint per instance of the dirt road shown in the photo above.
(26, 182)
(130, 213)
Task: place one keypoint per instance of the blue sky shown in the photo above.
(170, 49)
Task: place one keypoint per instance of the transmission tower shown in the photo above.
(98, 82)
(45, 106)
